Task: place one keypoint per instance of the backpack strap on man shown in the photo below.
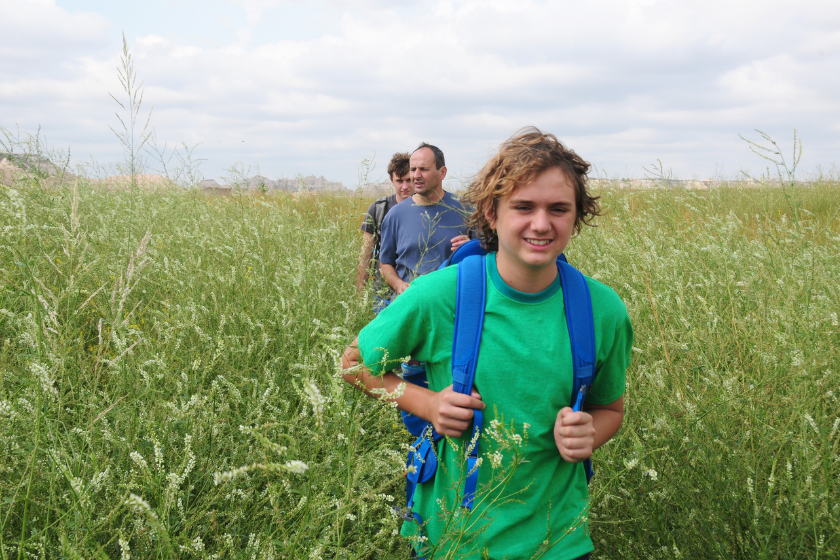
(378, 216)
(578, 304)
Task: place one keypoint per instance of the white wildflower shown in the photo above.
(297, 467)
(158, 455)
(496, 459)
(384, 394)
(475, 467)
(813, 424)
(47, 383)
(316, 399)
(125, 550)
(140, 505)
(139, 460)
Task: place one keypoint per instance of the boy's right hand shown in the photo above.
(451, 413)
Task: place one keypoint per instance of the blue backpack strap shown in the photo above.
(469, 322)
(578, 304)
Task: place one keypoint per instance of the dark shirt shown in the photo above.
(374, 227)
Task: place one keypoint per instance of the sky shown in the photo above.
(314, 88)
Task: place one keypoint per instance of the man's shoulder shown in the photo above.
(452, 198)
(390, 198)
(405, 207)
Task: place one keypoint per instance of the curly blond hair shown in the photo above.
(519, 160)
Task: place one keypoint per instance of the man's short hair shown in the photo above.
(399, 165)
(519, 160)
(439, 161)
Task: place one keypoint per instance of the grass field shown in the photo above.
(169, 387)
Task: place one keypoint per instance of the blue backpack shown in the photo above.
(469, 322)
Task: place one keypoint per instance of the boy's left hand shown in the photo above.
(574, 434)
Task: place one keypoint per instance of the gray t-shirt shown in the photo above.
(416, 239)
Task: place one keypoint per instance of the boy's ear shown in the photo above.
(490, 216)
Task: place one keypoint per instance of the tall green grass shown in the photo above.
(169, 388)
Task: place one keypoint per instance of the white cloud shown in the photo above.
(623, 82)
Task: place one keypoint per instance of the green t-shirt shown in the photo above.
(524, 375)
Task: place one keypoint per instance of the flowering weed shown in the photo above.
(171, 388)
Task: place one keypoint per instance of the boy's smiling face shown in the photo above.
(534, 225)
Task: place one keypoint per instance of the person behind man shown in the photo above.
(422, 233)
(372, 227)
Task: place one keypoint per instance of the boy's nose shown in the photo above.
(540, 221)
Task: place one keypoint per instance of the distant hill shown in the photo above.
(14, 167)
(309, 183)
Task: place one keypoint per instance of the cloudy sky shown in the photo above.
(315, 87)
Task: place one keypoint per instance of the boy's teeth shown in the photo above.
(539, 241)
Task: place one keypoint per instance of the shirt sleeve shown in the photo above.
(388, 243)
(614, 336)
(368, 225)
(397, 332)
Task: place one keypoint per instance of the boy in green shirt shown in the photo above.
(532, 497)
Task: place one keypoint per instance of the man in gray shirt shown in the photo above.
(422, 232)
(372, 228)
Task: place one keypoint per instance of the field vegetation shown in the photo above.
(169, 376)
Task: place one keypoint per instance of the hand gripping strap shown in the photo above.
(578, 304)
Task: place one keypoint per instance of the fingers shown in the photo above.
(455, 411)
(574, 435)
(457, 241)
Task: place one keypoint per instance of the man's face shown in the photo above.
(403, 187)
(428, 181)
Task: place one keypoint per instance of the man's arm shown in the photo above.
(451, 413)
(578, 434)
(389, 273)
(363, 272)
